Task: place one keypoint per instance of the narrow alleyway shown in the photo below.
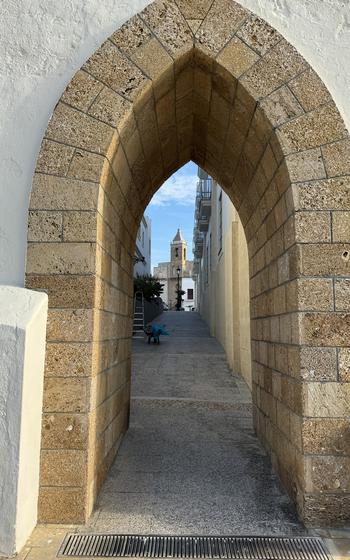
(190, 462)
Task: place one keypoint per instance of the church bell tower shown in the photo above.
(178, 252)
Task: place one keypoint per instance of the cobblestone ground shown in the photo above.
(190, 462)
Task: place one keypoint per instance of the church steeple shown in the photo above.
(178, 251)
(178, 236)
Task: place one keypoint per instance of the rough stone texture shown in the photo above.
(258, 34)
(306, 166)
(222, 20)
(160, 96)
(281, 106)
(344, 364)
(318, 364)
(341, 227)
(194, 9)
(337, 158)
(113, 69)
(320, 126)
(309, 90)
(323, 195)
(236, 57)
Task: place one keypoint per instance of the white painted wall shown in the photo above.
(42, 45)
(23, 316)
(188, 284)
(143, 247)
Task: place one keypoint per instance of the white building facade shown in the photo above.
(142, 258)
(221, 271)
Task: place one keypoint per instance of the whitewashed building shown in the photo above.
(142, 258)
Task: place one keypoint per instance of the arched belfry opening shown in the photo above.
(212, 83)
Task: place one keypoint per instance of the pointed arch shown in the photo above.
(212, 83)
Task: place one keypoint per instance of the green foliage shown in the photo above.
(149, 285)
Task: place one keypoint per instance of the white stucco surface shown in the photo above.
(42, 45)
(23, 315)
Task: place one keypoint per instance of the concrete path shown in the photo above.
(190, 462)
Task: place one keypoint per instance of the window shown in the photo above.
(143, 238)
(220, 223)
(189, 293)
(176, 252)
(185, 254)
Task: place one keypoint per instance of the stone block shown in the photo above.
(61, 258)
(324, 510)
(87, 166)
(116, 71)
(324, 259)
(306, 166)
(67, 359)
(168, 24)
(194, 9)
(326, 399)
(295, 430)
(309, 89)
(65, 394)
(81, 91)
(132, 35)
(327, 474)
(258, 34)
(333, 194)
(281, 63)
(62, 505)
(281, 106)
(79, 226)
(342, 295)
(326, 436)
(283, 420)
(63, 468)
(311, 227)
(110, 108)
(325, 329)
(72, 127)
(153, 59)
(314, 294)
(341, 227)
(223, 82)
(222, 20)
(58, 193)
(344, 364)
(237, 57)
(54, 158)
(64, 431)
(70, 325)
(321, 126)
(317, 364)
(44, 226)
(23, 316)
(65, 291)
(337, 158)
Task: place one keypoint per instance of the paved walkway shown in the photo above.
(190, 462)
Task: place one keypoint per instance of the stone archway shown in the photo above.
(206, 81)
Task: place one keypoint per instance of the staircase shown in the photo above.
(139, 317)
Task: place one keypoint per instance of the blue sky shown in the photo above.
(171, 207)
